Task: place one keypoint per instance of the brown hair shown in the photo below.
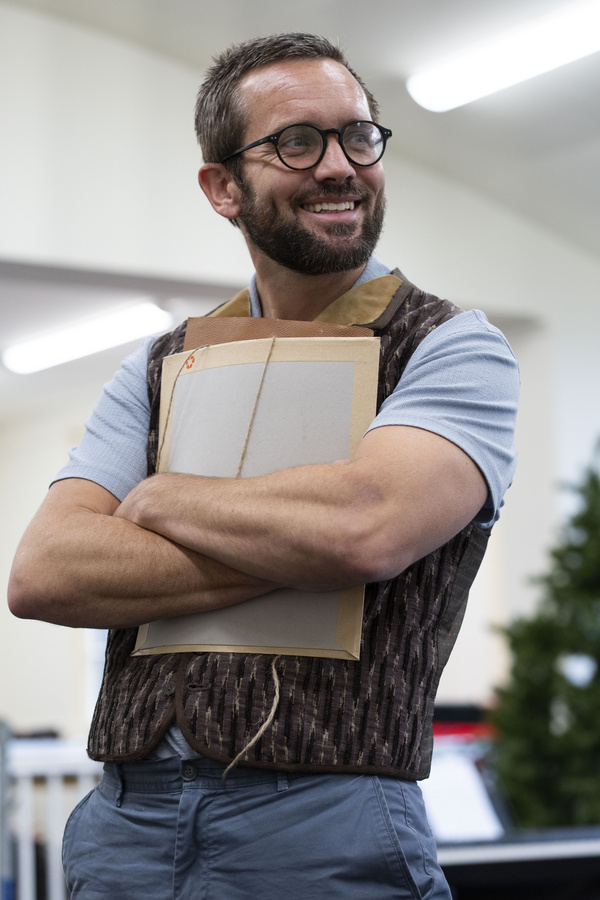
(221, 119)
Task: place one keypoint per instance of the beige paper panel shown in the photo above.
(254, 407)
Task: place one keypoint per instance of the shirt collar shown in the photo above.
(373, 269)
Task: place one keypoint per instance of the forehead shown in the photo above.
(320, 91)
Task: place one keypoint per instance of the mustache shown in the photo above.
(332, 191)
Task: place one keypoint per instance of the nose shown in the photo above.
(335, 165)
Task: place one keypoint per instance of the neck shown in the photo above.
(290, 295)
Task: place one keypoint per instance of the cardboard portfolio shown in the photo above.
(253, 406)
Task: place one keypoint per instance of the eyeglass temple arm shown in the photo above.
(265, 140)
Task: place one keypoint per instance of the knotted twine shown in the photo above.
(188, 362)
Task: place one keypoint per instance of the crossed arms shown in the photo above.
(179, 544)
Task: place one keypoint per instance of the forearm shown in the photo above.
(88, 569)
(278, 527)
(321, 527)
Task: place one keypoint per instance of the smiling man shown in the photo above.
(322, 213)
(326, 804)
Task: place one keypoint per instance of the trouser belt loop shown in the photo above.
(282, 781)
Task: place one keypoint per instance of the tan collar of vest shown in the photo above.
(362, 304)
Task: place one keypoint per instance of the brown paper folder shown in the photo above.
(252, 406)
(203, 330)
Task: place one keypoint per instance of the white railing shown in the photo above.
(43, 780)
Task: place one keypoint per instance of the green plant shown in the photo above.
(547, 756)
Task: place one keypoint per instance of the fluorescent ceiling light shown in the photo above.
(545, 44)
(118, 327)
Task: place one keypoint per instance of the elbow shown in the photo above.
(367, 551)
(368, 542)
(371, 561)
(19, 601)
(29, 597)
(22, 600)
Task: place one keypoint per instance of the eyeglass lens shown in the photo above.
(300, 146)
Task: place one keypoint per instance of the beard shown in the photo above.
(287, 242)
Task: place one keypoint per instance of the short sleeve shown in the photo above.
(462, 382)
(113, 450)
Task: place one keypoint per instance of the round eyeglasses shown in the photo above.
(303, 146)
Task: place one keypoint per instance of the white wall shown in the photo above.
(98, 171)
(41, 666)
(99, 157)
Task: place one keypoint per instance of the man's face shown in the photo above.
(281, 208)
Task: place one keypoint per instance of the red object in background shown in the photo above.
(465, 721)
(475, 730)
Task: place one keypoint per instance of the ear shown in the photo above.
(221, 190)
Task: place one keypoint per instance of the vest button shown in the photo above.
(188, 771)
(169, 689)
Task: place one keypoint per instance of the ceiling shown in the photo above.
(534, 147)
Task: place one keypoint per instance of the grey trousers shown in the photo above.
(174, 830)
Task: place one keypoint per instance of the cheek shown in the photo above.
(374, 178)
(378, 182)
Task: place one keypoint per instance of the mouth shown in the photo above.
(329, 206)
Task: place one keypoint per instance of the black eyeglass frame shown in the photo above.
(274, 139)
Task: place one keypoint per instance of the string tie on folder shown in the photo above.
(265, 724)
(186, 364)
(256, 399)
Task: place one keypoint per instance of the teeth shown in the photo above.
(329, 207)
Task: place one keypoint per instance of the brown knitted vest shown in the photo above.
(334, 715)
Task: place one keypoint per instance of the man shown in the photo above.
(326, 804)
